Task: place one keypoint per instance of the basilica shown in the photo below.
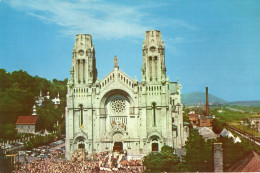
(120, 113)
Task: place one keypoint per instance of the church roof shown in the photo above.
(249, 163)
(27, 120)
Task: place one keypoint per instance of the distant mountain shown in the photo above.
(245, 103)
(194, 98)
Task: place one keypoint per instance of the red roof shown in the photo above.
(27, 119)
(250, 163)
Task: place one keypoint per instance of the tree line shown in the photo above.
(18, 91)
(199, 154)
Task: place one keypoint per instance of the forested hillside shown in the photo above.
(193, 98)
(18, 91)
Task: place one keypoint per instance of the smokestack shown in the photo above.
(207, 102)
(218, 157)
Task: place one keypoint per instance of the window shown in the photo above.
(81, 115)
(154, 114)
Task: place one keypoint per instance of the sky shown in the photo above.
(214, 43)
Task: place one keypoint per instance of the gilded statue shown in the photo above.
(115, 61)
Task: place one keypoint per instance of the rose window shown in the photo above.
(118, 105)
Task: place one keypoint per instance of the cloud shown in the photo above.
(99, 18)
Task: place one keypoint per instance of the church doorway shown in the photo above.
(155, 147)
(81, 142)
(81, 146)
(118, 146)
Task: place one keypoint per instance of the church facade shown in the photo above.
(118, 112)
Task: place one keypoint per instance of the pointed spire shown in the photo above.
(58, 95)
(40, 93)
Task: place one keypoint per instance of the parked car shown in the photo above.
(7, 146)
(42, 156)
(28, 152)
(21, 153)
(19, 143)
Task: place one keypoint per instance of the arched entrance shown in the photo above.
(118, 146)
(80, 142)
(155, 147)
(154, 139)
(81, 146)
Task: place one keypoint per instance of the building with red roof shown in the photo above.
(27, 124)
(249, 163)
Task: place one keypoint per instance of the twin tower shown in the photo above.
(84, 69)
(119, 113)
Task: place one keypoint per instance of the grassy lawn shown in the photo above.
(246, 129)
(231, 116)
(249, 109)
(234, 117)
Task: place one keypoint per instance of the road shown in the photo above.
(29, 158)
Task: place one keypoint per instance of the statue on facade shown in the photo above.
(115, 61)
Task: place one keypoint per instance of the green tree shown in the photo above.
(18, 91)
(7, 132)
(49, 115)
(218, 125)
(161, 161)
(232, 152)
(199, 155)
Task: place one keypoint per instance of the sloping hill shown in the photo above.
(200, 97)
(246, 103)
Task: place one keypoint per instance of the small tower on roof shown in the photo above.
(34, 110)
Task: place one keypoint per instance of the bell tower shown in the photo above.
(83, 70)
(153, 68)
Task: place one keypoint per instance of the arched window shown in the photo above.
(150, 68)
(78, 70)
(155, 67)
(81, 115)
(154, 113)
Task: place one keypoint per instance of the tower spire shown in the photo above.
(83, 69)
(153, 69)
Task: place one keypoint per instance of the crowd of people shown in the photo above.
(81, 162)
